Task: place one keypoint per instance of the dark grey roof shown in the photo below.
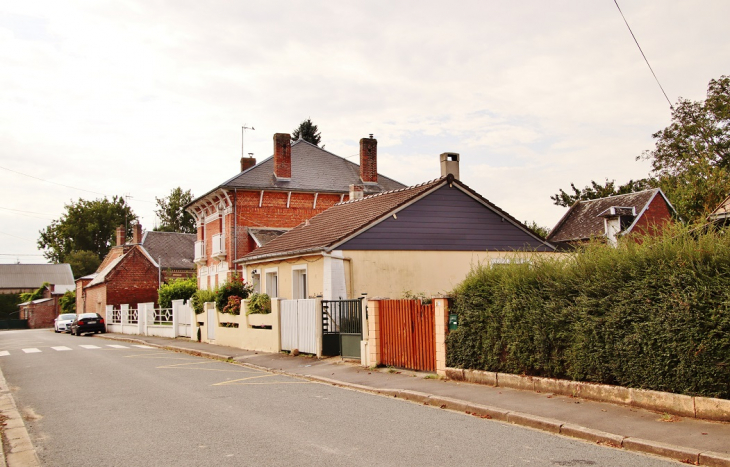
(32, 276)
(583, 221)
(172, 250)
(312, 170)
(264, 236)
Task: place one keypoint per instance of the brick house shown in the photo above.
(40, 313)
(611, 217)
(132, 271)
(266, 199)
(423, 239)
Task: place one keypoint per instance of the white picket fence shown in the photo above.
(300, 327)
(146, 320)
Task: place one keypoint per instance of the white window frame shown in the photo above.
(270, 293)
(296, 273)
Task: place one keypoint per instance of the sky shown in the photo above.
(134, 98)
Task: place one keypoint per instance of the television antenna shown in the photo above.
(243, 133)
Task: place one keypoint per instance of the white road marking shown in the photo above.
(90, 346)
(115, 346)
(61, 348)
(143, 346)
(4, 353)
(31, 350)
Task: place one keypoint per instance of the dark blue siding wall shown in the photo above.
(447, 219)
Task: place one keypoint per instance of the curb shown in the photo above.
(701, 408)
(21, 452)
(680, 453)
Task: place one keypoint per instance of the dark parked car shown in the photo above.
(88, 323)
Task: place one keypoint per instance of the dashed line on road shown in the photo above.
(185, 366)
(4, 353)
(32, 350)
(89, 347)
(61, 348)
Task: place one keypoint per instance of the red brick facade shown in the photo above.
(40, 315)
(134, 280)
(657, 215)
(369, 160)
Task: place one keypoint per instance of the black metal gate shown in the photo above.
(342, 327)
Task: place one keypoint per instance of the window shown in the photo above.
(272, 283)
(256, 281)
(299, 282)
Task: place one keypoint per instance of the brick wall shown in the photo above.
(95, 300)
(134, 280)
(655, 216)
(41, 315)
(273, 213)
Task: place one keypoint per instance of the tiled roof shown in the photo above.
(583, 221)
(32, 276)
(264, 236)
(312, 170)
(100, 276)
(339, 222)
(172, 250)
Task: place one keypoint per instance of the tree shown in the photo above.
(172, 213)
(691, 157)
(538, 229)
(86, 225)
(68, 302)
(308, 132)
(596, 191)
(35, 295)
(83, 262)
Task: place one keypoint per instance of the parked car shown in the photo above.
(63, 322)
(88, 323)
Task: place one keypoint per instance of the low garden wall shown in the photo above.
(258, 332)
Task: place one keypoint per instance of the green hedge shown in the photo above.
(176, 289)
(652, 315)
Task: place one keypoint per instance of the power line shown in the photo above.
(54, 183)
(28, 213)
(68, 186)
(642, 54)
(19, 254)
(20, 238)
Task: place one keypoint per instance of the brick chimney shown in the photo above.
(449, 164)
(137, 233)
(356, 192)
(247, 163)
(369, 160)
(121, 235)
(282, 156)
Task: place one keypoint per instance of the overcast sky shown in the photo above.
(138, 97)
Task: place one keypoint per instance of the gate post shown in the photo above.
(441, 309)
(373, 347)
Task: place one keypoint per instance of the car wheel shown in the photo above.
(77, 332)
(56, 331)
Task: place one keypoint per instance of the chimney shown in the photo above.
(247, 163)
(121, 235)
(282, 156)
(356, 192)
(449, 164)
(137, 233)
(369, 160)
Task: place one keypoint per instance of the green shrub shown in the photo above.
(651, 315)
(200, 297)
(176, 289)
(259, 303)
(237, 287)
(68, 302)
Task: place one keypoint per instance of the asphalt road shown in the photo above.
(110, 404)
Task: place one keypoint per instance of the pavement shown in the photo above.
(688, 440)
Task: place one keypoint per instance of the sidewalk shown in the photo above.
(690, 440)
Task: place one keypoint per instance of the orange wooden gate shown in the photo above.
(407, 334)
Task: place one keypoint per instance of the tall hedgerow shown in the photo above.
(652, 314)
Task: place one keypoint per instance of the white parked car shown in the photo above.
(63, 322)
